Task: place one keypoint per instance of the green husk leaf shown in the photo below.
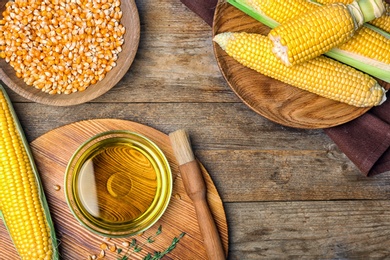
(378, 30)
(367, 8)
(37, 177)
(372, 67)
(368, 25)
(261, 17)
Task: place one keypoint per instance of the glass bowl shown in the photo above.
(118, 183)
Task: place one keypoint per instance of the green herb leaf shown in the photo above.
(137, 249)
(159, 230)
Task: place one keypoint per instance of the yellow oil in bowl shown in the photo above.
(118, 183)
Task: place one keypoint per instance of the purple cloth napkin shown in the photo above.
(365, 140)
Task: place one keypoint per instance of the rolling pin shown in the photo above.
(195, 187)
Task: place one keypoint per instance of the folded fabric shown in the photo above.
(365, 140)
(204, 8)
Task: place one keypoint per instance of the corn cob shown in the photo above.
(367, 50)
(382, 22)
(22, 202)
(321, 29)
(321, 75)
(370, 44)
(280, 10)
(365, 42)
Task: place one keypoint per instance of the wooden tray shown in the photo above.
(52, 152)
(277, 101)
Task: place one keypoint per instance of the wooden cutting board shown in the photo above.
(52, 152)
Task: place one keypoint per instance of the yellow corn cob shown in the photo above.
(382, 22)
(321, 75)
(365, 42)
(281, 10)
(318, 31)
(370, 44)
(20, 199)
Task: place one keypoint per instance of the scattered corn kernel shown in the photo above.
(102, 254)
(61, 46)
(125, 244)
(321, 75)
(103, 246)
(112, 248)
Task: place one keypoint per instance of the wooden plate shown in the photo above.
(277, 101)
(52, 152)
(130, 20)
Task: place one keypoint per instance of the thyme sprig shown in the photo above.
(159, 255)
(134, 247)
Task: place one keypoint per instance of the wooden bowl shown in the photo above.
(275, 100)
(130, 21)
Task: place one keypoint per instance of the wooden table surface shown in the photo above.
(288, 193)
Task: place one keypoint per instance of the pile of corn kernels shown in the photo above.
(61, 46)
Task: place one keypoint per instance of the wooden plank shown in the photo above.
(175, 60)
(249, 157)
(273, 180)
(309, 230)
(211, 125)
(275, 175)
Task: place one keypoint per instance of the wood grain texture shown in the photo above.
(288, 193)
(76, 242)
(130, 21)
(196, 189)
(275, 100)
(320, 230)
(252, 158)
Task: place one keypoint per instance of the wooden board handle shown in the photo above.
(196, 190)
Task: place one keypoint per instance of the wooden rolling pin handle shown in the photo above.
(196, 190)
